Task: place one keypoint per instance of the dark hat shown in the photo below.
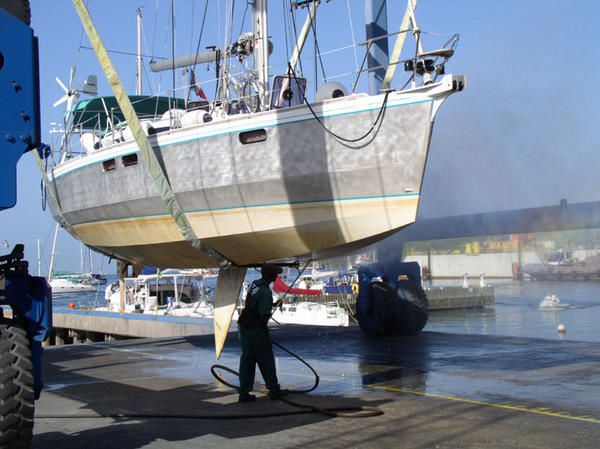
(269, 269)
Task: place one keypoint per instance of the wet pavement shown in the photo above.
(437, 390)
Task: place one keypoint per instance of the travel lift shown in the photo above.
(391, 300)
(29, 298)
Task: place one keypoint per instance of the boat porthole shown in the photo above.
(129, 160)
(254, 136)
(109, 165)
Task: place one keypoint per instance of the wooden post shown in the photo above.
(122, 268)
(430, 274)
(61, 337)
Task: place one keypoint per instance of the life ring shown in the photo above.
(355, 288)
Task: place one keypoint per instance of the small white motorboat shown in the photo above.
(552, 302)
(312, 314)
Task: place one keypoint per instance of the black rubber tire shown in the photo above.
(412, 309)
(378, 320)
(16, 387)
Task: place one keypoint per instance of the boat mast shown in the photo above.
(138, 89)
(52, 253)
(376, 26)
(312, 11)
(91, 262)
(39, 262)
(407, 21)
(261, 50)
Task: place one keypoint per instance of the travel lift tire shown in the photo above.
(394, 312)
(415, 308)
(16, 387)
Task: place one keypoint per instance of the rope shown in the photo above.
(353, 38)
(338, 412)
(214, 368)
(376, 124)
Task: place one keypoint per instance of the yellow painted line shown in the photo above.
(506, 406)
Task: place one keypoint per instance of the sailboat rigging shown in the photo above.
(260, 172)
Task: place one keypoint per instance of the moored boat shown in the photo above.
(62, 285)
(167, 292)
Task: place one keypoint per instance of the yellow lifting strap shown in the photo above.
(406, 21)
(154, 167)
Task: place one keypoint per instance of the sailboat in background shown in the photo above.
(64, 282)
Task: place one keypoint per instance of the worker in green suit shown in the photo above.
(255, 339)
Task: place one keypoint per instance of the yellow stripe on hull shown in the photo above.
(253, 234)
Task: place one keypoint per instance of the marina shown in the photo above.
(515, 312)
(162, 313)
(294, 171)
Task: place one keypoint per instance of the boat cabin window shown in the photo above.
(287, 91)
(254, 136)
(109, 165)
(130, 159)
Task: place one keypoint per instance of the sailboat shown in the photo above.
(263, 171)
(260, 177)
(61, 283)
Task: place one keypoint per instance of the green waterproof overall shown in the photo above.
(256, 341)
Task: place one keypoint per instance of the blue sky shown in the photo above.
(523, 134)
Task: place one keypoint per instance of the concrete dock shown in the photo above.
(436, 390)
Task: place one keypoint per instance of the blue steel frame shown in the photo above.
(29, 297)
(19, 91)
(378, 57)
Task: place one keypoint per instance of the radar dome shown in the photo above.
(331, 89)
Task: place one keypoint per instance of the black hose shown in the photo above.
(214, 368)
(338, 412)
(375, 126)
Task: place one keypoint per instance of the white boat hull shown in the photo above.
(70, 287)
(312, 314)
(300, 191)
